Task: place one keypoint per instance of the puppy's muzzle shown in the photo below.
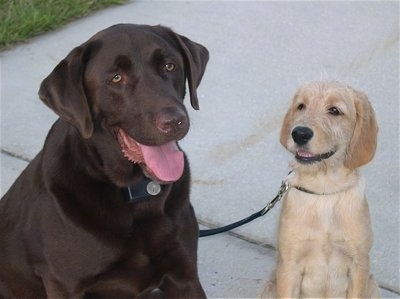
(302, 135)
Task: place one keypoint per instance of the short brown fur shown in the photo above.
(66, 229)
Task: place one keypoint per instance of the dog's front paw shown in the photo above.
(269, 290)
(156, 294)
(153, 294)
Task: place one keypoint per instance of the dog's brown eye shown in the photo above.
(301, 107)
(334, 111)
(117, 78)
(170, 67)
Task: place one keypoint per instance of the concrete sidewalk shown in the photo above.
(260, 53)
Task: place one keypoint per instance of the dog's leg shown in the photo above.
(54, 289)
(173, 288)
(359, 278)
(288, 281)
(359, 283)
(269, 290)
(372, 288)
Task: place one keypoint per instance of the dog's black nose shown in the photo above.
(301, 135)
(172, 121)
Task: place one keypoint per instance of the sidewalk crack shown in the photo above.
(15, 155)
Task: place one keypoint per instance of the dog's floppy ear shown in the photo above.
(363, 143)
(195, 58)
(286, 128)
(63, 91)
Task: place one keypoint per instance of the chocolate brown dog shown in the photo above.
(103, 210)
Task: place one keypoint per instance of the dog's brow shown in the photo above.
(123, 62)
(301, 99)
(158, 55)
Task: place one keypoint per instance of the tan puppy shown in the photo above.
(325, 231)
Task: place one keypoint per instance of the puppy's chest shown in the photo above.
(316, 228)
(315, 236)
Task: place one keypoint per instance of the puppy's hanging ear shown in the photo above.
(363, 143)
(63, 91)
(286, 128)
(195, 58)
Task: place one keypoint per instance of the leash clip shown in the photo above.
(282, 190)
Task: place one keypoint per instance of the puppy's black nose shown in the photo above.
(301, 135)
(172, 121)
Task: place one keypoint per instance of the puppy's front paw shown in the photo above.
(269, 290)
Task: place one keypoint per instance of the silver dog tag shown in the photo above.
(153, 188)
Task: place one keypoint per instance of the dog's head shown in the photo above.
(130, 80)
(330, 123)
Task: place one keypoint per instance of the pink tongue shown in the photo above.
(165, 161)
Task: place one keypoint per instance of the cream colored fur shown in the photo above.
(324, 238)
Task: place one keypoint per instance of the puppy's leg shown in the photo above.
(372, 288)
(288, 280)
(359, 278)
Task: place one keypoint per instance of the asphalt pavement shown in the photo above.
(260, 53)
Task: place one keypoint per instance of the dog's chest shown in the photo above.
(133, 270)
(314, 231)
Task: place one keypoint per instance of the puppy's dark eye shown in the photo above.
(117, 78)
(170, 67)
(301, 107)
(334, 111)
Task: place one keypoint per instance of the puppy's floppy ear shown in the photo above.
(363, 143)
(63, 91)
(195, 58)
(286, 128)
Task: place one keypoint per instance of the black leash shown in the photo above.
(209, 232)
(147, 188)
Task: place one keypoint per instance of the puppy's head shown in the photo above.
(330, 124)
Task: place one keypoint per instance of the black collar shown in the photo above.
(315, 193)
(307, 191)
(142, 190)
(312, 192)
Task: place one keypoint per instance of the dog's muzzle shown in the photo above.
(301, 136)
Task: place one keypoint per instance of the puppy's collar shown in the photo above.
(302, 189)
(142, 190)
(307, 191)
(315, 193)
